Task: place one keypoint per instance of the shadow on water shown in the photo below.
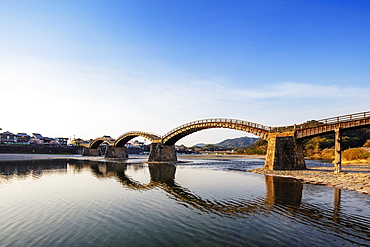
(283, 195)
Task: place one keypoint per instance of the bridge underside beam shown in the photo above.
(162, 153)
(116, 152)
(284, 152)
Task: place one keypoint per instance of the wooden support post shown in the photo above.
(338, 151)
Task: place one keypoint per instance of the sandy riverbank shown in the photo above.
(353, 177)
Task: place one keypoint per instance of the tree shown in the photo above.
(367, 143)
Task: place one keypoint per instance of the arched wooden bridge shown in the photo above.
(97, 141)
(126, 137)
(184, 130)
(284, 143)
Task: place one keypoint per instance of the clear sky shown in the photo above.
(92, 68)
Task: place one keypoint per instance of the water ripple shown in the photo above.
(208, 204)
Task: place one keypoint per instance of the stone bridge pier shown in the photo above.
(284, 152)
(116, 152)
(162, 153)
(90, 151)
(110, 152)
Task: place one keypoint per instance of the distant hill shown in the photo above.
(200, 144)
(238, 142)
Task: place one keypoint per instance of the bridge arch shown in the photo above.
(123, 139)
(97, 141)
(184, 130)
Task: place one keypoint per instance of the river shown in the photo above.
(195, 203)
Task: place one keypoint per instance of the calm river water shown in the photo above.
(200, 203)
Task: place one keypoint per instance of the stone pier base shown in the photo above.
(284, 152)
(116, 152)
(90, 152)
(162, 153)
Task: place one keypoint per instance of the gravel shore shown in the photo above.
(353, 177)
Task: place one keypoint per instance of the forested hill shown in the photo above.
(238, 142)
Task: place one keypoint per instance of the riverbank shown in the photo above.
(353, 176)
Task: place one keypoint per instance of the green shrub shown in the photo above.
(327, 153)
(355, 154)
(259, 148)
(367, 143)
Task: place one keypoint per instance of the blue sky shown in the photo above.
(93, 68)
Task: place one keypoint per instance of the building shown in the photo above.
(41, 140)
(79, 142)
(49, 141)
(7, 138)
(37, 136)
(23, 138)
(135, 144)
(37, 139)
(62, 141)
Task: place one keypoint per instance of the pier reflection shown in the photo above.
(283, 196)
(283, 191)
(162, 173)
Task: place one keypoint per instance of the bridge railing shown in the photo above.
(221, 120)
(346, 118)
(103, 138)
(139, 132)
(322, 122)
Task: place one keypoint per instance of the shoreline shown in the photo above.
(353, 177)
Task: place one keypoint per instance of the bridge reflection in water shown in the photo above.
(99, 201)
(280, 192)
(283, 199)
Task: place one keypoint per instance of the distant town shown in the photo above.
(9, 138)
(36, 138)
(12, 141)
(23, 139)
